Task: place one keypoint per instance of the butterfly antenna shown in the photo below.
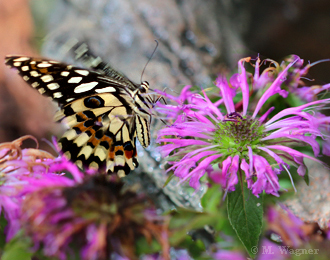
(152, 54)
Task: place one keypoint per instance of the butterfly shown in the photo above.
(105, 111)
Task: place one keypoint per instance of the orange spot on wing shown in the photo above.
(82, 115)
(119, 148)
(81, 127)
(129, 154)
(94, 141)
(44, 70)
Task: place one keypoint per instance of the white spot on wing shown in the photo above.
(47, 78)
(101, 152)
(53, 86)
(81, 139)
(57, 95)
(65, 73)
(70, 134)
(75, 80)
(41, 90)
(93, 165)
(22, 59)
(86, 150)
(67, 155)
(85, 87)
(44, 65)
(35, 84)
(119, 160)
(104, 90)
(82, 72)
(121, 173)
(17, 64)
(25, 68)
(34, 73)
(69, 99)
(26, 78)
(79, 163)
(110, 165)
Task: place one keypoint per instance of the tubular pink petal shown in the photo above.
(202, 165)
(212, 107)
(166, 149)
(264, 116)
(201, 118)
(248, 173)
(250, 158)
(200, 150)
(326, 147)
(272, 90)
(244, 85)
(226, 93)
(183, 142)
(290, 122)
(195, 159)
(274, 155)
(266, 175)
(183, 132)
(295, 110)
(256, 70)
(292, 152)
(232, 178)
(307, 139)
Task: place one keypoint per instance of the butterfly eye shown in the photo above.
(144, 87)
(94, 102)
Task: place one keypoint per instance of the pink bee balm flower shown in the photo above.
(19, 168)
(224, 138)
(97, 217)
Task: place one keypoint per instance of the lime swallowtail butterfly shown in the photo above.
(105, 111)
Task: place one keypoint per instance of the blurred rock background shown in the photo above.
(197, 40)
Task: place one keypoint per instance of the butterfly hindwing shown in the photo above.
(100, 111)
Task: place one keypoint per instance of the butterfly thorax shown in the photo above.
(142, 100)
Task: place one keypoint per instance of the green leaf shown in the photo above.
(3, 224)
(195, 248)
(142, 246)
(17, 248)
(245, 213)
(170, 177)
(211, 201)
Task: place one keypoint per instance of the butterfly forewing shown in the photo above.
(103, 112)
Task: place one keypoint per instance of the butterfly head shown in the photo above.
(144, 87)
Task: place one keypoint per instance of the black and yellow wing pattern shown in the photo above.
(104, 110)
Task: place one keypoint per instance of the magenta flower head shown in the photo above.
(16, 166)
(287, 231)
(287, 226)
(96, 217)
(231, 136)
(293, 79)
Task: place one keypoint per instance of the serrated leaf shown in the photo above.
(245, 212)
